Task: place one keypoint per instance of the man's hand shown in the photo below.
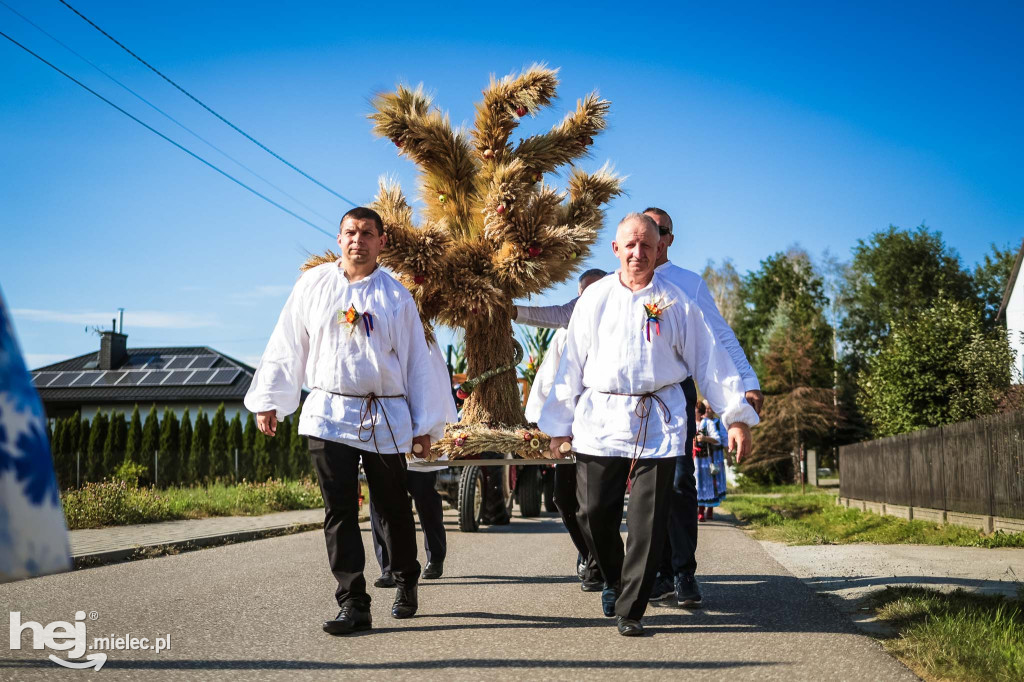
(266, 422)
(556, 443)
(739, 440)
(756, 400)
(424, 443)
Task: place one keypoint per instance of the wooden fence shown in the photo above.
(974, 467)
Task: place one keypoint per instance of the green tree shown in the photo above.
(150, 440)
(725, 286)
(84, 430)
(72, 437)
(97, 440)
(58, 452)
(894, 274)
(199, 453)
(236, 444)
(786, 278)
(991, 276)
(247, 458)
(538, 340)
(133, 443)
(262, 459)
(936, 367)
(184, 454)
(114, 445)
(282, 452)
(220, 466)
(299, 454)
(170, 450)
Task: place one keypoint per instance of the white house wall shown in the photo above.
(1015, 326)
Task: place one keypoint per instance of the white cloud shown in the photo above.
(135, 318)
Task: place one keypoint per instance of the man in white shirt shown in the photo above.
(565, 474)
(632, 340)
(353, 334)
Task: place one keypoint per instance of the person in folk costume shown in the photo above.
(677, 573)
(353, 334)
(632, 340)
(565, 474)
(421, 482)
(709, 463)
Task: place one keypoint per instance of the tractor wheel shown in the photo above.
(471, 499)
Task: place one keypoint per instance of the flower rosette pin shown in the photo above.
(653, 311)
(352, 317)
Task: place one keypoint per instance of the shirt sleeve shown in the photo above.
(541, 387)
(725, 335)
(557, 415)
(424, 391)
(712, 431)
(277, 383)
(714, 369)
(551, 316)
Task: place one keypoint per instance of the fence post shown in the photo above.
(156, 468)
(236, 464)
(78, 469)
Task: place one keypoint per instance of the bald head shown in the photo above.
(636, 246)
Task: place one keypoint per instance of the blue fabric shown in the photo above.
(710, 489)
(33, 537)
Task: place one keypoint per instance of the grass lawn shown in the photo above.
(116, 503)
(816, 519)
(956, 636)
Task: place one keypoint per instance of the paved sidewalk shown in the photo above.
(120, 542)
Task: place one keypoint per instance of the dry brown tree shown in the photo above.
(490, 230)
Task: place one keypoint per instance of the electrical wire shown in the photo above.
(166, 115)
(204, 106)
(157, 132)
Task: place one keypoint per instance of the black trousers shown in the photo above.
(568, 506)
(337, 468)
(431, 512)
(601, 491)
(679, 556)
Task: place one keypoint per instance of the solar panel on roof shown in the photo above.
(201, 377)
(110, 378)
(137, 361)
(156, 363)
(132, 378)
(203, 362)
(41, 379)
(225, 376)
(86, 379)
(154, 378)
(63, 379)
(177, 377)
(179, 362)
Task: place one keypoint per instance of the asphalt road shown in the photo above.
(507, 607)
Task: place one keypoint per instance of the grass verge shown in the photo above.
(817, 520)
(954, 636)
(116, 503)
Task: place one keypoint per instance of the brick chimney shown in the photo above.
(113, 348)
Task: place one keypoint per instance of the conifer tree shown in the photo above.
(299, 451)
(219, 458)
(97, 440)
(282, 451)
(114, 445)
(262, 459)
(84, 430)
(133, 444)
(58, 452)
(236, 444)
(247, 458)
(185, 450)
(170, 450)
(151, 443)
(199, 453)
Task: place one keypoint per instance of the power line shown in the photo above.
(204, 106)
(165, 114)
(157, 132)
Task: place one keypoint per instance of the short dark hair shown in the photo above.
(660, 212)
(592, 272)
(364, 213)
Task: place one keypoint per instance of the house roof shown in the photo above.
(1010, 282)
(147, 375)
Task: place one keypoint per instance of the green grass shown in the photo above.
(749, 488)
(816, 519)
(116, 503)
(956, 636)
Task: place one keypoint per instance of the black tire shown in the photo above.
(528, 491)
(471, 497)
(549, 491)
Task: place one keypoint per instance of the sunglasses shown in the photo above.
(664, 231)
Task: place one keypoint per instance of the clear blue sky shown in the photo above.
(757, 127)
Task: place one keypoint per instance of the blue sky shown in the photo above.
(757, 127)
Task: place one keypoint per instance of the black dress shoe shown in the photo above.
(608, 598)
(406, 602)
(629, 627)
(351, 618)
(433, 571)
(385, 580)
(592, 585)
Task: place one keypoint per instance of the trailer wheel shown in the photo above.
(471, 499)
(528, 490)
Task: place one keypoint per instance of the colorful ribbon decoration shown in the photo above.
(653, 310)
(352, 317)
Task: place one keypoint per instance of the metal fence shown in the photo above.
(974, 467)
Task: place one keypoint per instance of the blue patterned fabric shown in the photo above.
(33, 536)
(710, 488)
